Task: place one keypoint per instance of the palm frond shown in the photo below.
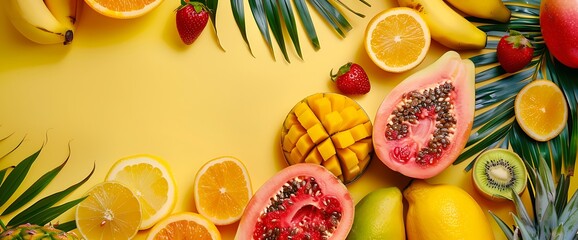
(494, 124)
(550, 164)
(44, 210)
(278, 17)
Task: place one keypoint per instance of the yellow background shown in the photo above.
(126, 87)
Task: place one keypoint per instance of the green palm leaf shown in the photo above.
(498, 88)
(42, 211)
(278, 17)
(495, 126)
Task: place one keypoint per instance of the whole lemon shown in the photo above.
(444, 211)
(379, 215)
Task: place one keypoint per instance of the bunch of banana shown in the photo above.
(44, 21)
(451, 28)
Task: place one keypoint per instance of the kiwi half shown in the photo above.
(497, 172)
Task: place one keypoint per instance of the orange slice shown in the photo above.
(541, 110)
(397, 39)
(222, 190)
(110, 211)
(123, 9)
(150, 179)
(185, 225)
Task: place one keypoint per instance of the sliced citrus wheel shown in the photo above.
(222, 190)
(123, 9)
(541, 110)
(110, 211)
(151, 180)
(184, 225)
(397, 39)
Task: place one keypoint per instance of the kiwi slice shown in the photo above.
(497, 172)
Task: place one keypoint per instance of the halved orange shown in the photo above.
(397, 39)
(110, 211)
(150, 178)
(541, 110)
(184, 225)
(222, 190)
(123, 9)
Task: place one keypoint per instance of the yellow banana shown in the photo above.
(486, 9)
(34, 20)
(65, 11)
(447, 26)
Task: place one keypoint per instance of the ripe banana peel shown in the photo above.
(486, 9)
(447, 27)
(41, 24)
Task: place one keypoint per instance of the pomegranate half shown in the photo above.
(423, 124)
(302, 201)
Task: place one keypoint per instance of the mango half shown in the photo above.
(329, 129)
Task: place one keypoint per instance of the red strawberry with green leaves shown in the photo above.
(351, 79)
(192, 17)
(514, 51)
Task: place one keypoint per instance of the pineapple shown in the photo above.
(550, 164)
(31, 231)
(548, 223)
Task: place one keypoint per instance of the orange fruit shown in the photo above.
(150, 179)
(123, 9)
(184, 225)
(397, 39)
(541, 110)
(222, 190)
(110, 211)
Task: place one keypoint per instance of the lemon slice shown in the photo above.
(110, 211)
(541, 110)
(222, 190)
(397, 39)
(152, 182)
(184, 225)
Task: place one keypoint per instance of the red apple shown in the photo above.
(559, 24)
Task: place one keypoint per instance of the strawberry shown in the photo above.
(514, 51)
(192, 17)
(351, 79)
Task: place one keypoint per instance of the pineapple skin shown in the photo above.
(35, 232)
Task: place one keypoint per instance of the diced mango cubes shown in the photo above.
(359, 132)
(329, 129)
(332, 122)
(321, 107)
(307, 118)
(349, 115)
(348, 158)
(314, 157)
(317, 133)
(304, 144)
(343, 139)
(332, 164)
(326, 149)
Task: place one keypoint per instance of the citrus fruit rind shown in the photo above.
(150, 178)
(184, 225)
(222, 190)
(110, 211)
(125, 9)
(397, 39)
(540, 109)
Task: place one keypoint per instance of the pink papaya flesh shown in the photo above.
(302, 201)
(423, 124)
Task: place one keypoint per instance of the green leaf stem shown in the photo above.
(16, 177)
